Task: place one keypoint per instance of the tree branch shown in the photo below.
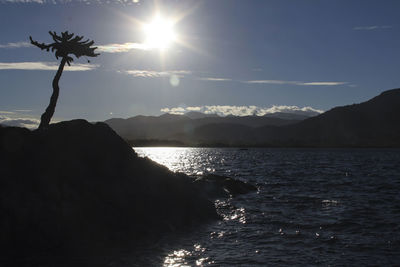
(42, 46)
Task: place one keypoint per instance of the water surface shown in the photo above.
(314, 207)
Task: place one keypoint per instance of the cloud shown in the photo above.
(15, 45)
(177, 111)
(126, 2)
(6, 112)
(295, 82)
(156, 74)
(323, 83)
(24, 1)
(193, 108)
(23, 110)
(120, 48)
(15, 111)
(244, 110)
(371, 28)
(29, 123)
(107, 48)
(307, 111)
(44, 66)
(214, 79)
(181, 73)
(270, 82)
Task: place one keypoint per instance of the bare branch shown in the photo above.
(42, 46)
(55, 37)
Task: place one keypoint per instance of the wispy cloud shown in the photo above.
(107, 48)
(23, 110)
(6, 112)
(323, 83)
(24, 1)
(15, 111)
(215, 79)
(120, 48)
(44, 66)
(15, 45)
(244, 110)
(29, 123)
(270, 82)
(181, 73)
(156, 74)
(282, 82)
(88, 2)
(371, 28)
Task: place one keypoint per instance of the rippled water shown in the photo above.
(314, 207)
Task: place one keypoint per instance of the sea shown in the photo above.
(313, 207)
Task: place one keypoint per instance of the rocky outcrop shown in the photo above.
(78, 183)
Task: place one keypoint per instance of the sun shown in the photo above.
(159, 33)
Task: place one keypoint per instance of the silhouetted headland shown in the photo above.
(78, 183)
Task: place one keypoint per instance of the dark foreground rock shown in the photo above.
(80, 184)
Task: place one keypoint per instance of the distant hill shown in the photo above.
(374, 123)
(174, 127)
(288, 116)
(199, 115)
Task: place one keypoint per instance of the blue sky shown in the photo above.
(230, 56)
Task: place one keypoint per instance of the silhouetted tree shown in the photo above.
(63, 46)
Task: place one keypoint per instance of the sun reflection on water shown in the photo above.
(196, 161)
(176, 259)
(180, 258)
(189, 161)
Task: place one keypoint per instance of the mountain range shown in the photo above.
(374, 123)
(172, 127)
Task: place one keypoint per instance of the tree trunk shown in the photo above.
(48, 114)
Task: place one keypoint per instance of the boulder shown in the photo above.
(215, 186)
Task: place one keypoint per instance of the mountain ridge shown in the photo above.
(373, 123)
(168, 126)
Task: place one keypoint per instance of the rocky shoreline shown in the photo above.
(80, 183)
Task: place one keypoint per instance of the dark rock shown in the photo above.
(221, 186)
(79, 184)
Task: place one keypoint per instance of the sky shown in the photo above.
(225, 56)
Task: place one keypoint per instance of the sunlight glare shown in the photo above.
(159, 33)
